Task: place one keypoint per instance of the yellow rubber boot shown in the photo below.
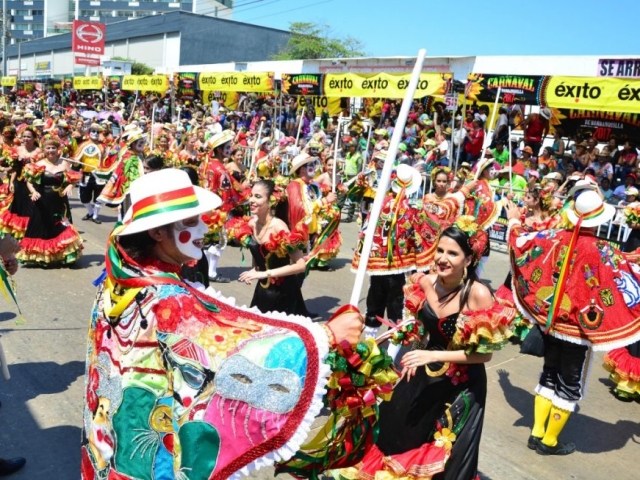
(541, 409)
(549, 445)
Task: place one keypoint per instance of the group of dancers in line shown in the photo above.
(181, 383)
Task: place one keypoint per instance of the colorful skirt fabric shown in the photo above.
(623, 364)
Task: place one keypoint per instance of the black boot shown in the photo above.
(12, 465)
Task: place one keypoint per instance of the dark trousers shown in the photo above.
(91, 190)
(385, 293)
(563, 370)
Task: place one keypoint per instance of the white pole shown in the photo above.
(383, 183)
(256, 149)
(464, 113)
(510, 163)
(153, 119)
(4, 41)
(77, 13)
(300, 126)
(335, 156)
(364, 164)
(489, 132)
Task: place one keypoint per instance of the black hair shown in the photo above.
(193, 175)
(462, 239)
(138, 245)
(281, 209)
(154, 162)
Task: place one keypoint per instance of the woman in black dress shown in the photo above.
(278, 262)
(50, 236)
(13, 159)
(432, 425)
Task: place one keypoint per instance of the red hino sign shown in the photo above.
(88, 37)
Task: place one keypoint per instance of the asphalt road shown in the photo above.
(41, 414)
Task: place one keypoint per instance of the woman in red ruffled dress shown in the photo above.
(432, 425)
(50, 237)
(278, 260)
(538, 213)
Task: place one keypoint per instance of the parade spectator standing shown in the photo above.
(474, 141)
(536, 128)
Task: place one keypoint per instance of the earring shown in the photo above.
(464, 275)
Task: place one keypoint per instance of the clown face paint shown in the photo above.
(188, 235)
(313, 168)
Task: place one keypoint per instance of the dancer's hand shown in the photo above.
(414, 359)
(251, 275)
(347, 326)
(68, 191)
(35, 196)
(8, 249)
(512, 210)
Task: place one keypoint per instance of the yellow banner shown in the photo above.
(236, 81)
(9, 81)
(593, 93)
(87, 83)
(145, 83)
(229, 99)
(331, 104)
(388, 85)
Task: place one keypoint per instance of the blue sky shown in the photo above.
(464, 27)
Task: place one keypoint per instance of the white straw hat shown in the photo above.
(300, 160)
(590, 207)
(164, 197)
(407, 177)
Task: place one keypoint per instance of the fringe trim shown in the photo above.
(545, 392)
(392, 271)
(561, 403)
(299, 437)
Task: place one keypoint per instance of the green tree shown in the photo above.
(137, 68)
(310, 40)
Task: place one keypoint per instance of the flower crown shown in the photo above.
(477, 239)
(438, 170)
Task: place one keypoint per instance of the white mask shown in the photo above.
(93, 135)
(312, 168)
(184, 236)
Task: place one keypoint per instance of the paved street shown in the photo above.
(41, 415)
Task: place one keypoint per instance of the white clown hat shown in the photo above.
(164, 197)
(590, 207)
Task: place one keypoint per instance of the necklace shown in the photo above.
(263, 229)
(450, 285)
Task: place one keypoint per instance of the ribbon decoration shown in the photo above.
(559, 289)
(403, 333)
(394, 220)
(325, 235)
(361, 374)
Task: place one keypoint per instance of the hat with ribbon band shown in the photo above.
(164, 197)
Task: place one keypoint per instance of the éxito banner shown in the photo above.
(236, 81)
(87, 83)
(145, 83)
(592, 93)
(386, 85)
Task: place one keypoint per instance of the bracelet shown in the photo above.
(268, 272)
(330, 335)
